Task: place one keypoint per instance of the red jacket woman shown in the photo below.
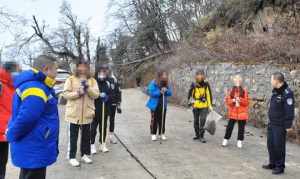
(6, 95)
(237, 103)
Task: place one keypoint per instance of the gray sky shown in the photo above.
(91, 11)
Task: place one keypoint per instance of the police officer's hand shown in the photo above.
(289, 130)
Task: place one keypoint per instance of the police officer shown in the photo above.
(281, 116)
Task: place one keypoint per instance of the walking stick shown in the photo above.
(162, 118)
(102, 131)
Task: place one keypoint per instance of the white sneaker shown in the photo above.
(86, 159)
(163, 137)
(103, 148)
(74, 163)
(93, 149)
(225, 143)
(153, 137)
(240, 144)
(112, 139)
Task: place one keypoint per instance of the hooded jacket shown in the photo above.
(6, 95)
(34, 128)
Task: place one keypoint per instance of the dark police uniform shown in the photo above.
(281, 116)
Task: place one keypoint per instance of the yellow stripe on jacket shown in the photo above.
(199, 92)
(34, 92)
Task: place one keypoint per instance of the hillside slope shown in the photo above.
(241, 36)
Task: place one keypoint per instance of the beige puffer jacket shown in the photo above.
(80, 110)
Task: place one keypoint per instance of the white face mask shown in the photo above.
(101, 76)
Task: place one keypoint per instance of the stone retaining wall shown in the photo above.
(256, 79)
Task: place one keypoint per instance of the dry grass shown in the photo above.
(279, 45)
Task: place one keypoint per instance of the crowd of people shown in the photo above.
(29, 122)
(281, 112)
(92, 103)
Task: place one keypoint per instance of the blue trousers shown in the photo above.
(277, 145)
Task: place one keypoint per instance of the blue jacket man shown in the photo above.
(34, 128)
(281, 115)
(158, 91)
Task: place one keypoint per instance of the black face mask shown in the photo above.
(163, 83)
(201, 83)
(198, 80)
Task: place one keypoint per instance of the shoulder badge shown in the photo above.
(290, 101)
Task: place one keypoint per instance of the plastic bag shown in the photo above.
(213, 116)
(211, 122)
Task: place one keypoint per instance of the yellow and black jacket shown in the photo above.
(201, 94)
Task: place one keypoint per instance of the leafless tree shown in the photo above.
(8, 19)
(70, 42)
(156, 25)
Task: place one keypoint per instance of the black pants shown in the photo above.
(85, 146)
(200, 116)
(101, 121)
(277, 145)
(33, 173)
(158, 121)
(241, 130)
(112, 117)
(3, 158)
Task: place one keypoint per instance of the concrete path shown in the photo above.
(137, 157)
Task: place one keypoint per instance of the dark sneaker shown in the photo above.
(196, 138)
(202, 140)
(268, 167)
(278, 171)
